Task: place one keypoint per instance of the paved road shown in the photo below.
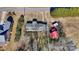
(21, 9)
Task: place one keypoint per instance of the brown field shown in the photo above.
(70, 26)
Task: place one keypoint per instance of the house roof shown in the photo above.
(2, 39)
(6, 26)
(33, 26)
(1, 27)
(10, 19)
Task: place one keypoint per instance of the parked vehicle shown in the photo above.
(54, 33)
(56, 30)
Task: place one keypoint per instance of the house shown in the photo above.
(4, 28)
(35, 25)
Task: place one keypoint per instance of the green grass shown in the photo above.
(64, 12)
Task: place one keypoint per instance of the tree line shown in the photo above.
(64, 12)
